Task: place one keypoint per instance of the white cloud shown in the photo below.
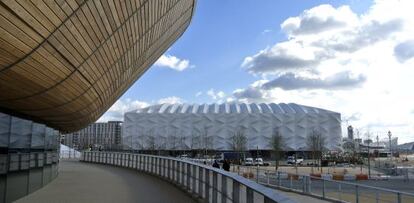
(199, 94)
(217, 96)
(173, 62)
(117, 110)
(358, 65)
(120, 107)
(341, 80)
(325, 35)
(171, 100)
(319, 19)
(266, 31)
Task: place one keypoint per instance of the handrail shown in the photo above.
(304, 185)
(202, 181)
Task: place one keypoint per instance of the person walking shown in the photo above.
(215, 164)
(226, 165)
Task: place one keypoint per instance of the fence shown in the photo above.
(70, 154)
(325, 187)
(202, 181)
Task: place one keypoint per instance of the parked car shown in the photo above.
(248, 162)
(258, 161)
(291, 160)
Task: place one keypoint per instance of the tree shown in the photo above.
(206, 141)
(316, 143)
(150, 141)
(239, 141)
(194, 142)
(277, 144)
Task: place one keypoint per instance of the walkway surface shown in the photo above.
(86, 182)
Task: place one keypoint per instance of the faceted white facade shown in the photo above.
(212, 126)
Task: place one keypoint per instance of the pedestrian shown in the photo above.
(215, 164)
(226, 165)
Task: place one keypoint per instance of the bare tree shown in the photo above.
(317, 144)
(181, 141)
(195, 141)
(150, 141)
(205, 140)
(239, 141)
(277, 143)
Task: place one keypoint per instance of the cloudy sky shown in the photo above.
(353, 57)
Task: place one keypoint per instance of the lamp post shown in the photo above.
(389, 136)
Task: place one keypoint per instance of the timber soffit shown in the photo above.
(64, 63)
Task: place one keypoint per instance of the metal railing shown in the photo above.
(202, 181)
(325, 187)
(69, 154)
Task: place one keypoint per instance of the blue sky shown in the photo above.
(353, 57)
(220, 36)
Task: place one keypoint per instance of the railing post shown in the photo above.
(323, 188)
(303, 184)
(356, 194)
(200, 181)
(168, 168)
(215, 187)
(399, 197)
(194, 177)
(207, 185)
(182, 172)
(152, 165)
(340, 191)
(278, 179)
(268, 178)
(176, 172)
(223, 189)
(188, 176)
(249, 195)
(236, 191)
(291, 182)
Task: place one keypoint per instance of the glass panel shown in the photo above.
(49, 138)
(21, 130)
(55, 140)
(4, 129)
(38, 136)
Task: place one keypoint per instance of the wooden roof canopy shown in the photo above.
(65, 62)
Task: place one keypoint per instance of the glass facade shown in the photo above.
(28, 156)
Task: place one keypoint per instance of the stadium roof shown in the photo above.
(231, 108)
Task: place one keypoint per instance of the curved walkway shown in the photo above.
(86, 182)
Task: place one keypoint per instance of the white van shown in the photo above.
(248, 162)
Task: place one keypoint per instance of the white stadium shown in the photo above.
(212, 126)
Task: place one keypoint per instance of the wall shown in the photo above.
(148, 130)
(28, 156)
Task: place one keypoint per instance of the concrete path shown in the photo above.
(86, 182)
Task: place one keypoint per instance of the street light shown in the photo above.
(389, 136)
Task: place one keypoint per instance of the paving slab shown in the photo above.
(87, 182)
